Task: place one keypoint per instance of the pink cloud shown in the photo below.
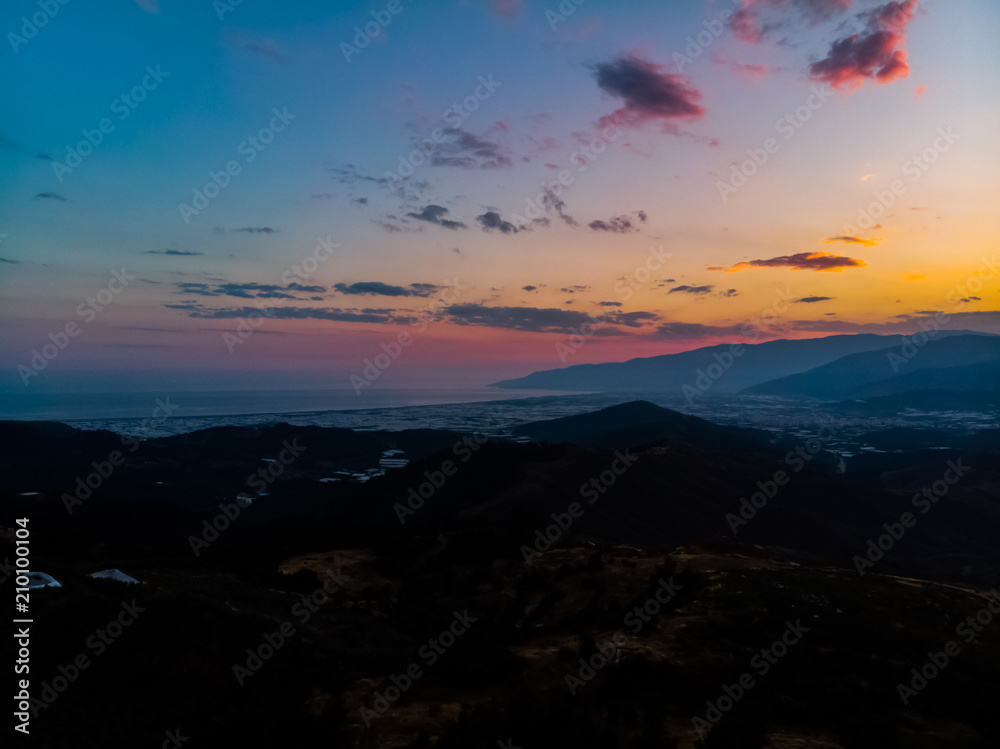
(875, 55)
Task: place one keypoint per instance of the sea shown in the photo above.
(491, 411)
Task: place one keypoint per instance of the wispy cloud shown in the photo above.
(377, 288)
(434, 214)
(814, 261)
(619, 224)
(870, 242)
(695, 290)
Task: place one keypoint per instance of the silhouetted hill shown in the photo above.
(758, 363)
(972, 359)
(642, 422)
(689, 510)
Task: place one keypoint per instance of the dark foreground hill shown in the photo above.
(463, 590)
(641, 422)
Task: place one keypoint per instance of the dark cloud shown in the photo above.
(876, 54)
(619, 224)
(543, 320)
(686, 331)
(691, 290)
(247, 290)
(432, 214)
(609, 304)
(465, 150)
(256, 230)
(814, 261)
(290, 313)
(12, 262)
(554, 204)
(172, 252)
(872, 242)
(529, 288)
(491, 220)
(648, 93)
(348, 174)
(574, 289)
(51, 196)
(377, 288)
(813, 299)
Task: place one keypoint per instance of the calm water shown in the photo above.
(193, 404)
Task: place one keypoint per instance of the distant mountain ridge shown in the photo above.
(965, 363)
(756, 364)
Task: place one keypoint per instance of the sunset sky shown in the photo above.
(485, 177)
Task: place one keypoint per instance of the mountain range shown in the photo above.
(836, 367)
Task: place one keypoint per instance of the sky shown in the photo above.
(446, 194)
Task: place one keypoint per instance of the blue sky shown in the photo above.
(894, 76)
